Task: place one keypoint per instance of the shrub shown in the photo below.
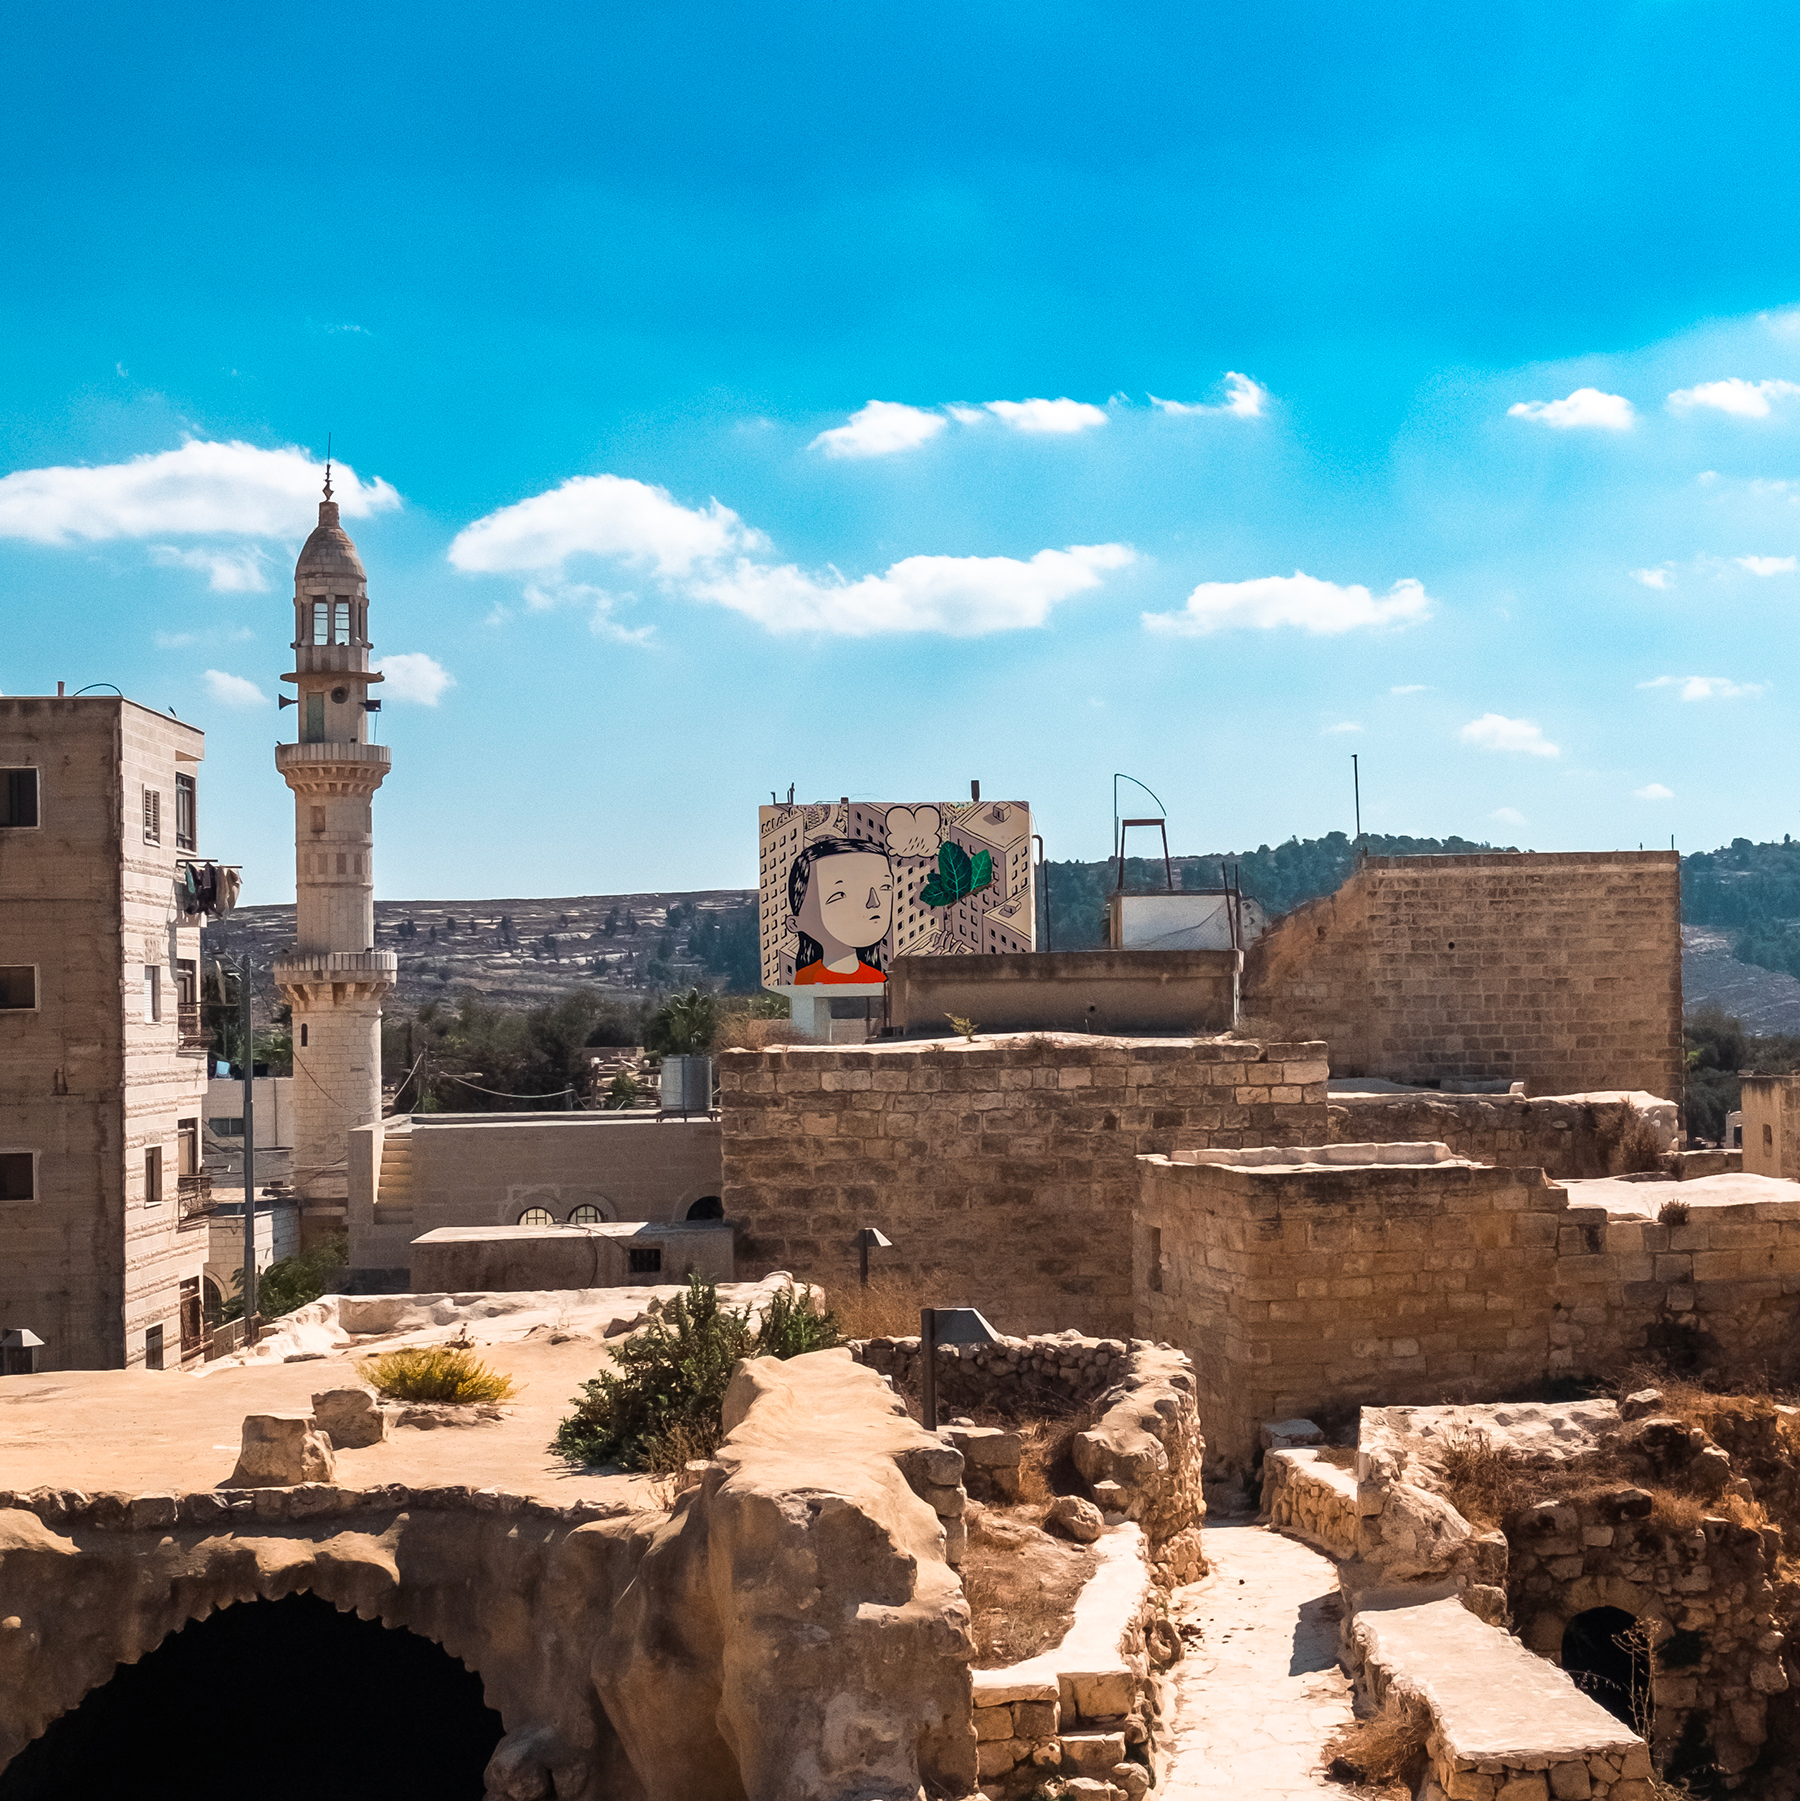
(663, 1403)
(434, 1373)
(1674, 1213)
(1386, 1750)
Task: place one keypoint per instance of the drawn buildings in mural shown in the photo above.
(845, 888)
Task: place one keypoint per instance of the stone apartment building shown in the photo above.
(103, 1229)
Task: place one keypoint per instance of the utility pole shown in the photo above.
(1356, 787)
(247, 1050)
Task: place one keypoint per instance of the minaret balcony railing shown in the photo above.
(308, 756)
(337, 966)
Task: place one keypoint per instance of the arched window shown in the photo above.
(709, 1206)
(537, 1216)
(586, 1216)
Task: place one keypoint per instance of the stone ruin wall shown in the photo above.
(1003, 1171)
(1314, 1292)
(1561, 971)
(1142, 1453)
(595, 1632)
(1567, 1139)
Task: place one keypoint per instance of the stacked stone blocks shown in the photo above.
(1002, 1171)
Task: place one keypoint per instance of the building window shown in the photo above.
(1768, 1138)
(152, 993)
(645, 1263)
(153, 1176)
(709, 1206)
(18, 797)
(226, 1125)
(18, 987)
(18, 1175)
(537, 1216)
(321, 632)
(152, 816)
(340, 621)
(153, 1348)
(316, 818)
(303, 1037)
(586, 1216)
(187, 1151)
(186, 815)
(315, 719)
(1156, 1262)
(193, 1333)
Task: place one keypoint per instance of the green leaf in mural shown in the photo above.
(956, 876)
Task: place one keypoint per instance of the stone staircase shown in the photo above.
(394, 1189)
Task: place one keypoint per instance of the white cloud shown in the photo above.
(699, 554)
(1494, 731)
(1708, 687)
(1660, 578)
(1585, 407)
(1056, 417)
(412, 675)
(232, 490)
(962, 597)
(1346, 725)
(1742, 399)
(1769, 565)
(603, 516)
(1508, 816)
(879, 429)
(1268, 601)
(1654, 791)
(234, 690)
(1244, 399)
(1410, 688)
(227, 571)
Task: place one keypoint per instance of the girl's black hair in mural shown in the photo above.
(811, 951)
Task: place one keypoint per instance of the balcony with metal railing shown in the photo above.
(195, 1194)
(191, 1034)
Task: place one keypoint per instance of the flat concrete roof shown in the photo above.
(1759, 1197)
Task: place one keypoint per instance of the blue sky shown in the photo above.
(1485, 321)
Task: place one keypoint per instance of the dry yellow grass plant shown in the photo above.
(444, 1373)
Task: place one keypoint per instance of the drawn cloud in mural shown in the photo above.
(846, 888)
(914, 831)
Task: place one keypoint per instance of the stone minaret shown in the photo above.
(333, 976)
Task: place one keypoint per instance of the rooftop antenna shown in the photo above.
(1356, 788)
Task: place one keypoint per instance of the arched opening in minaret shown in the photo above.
(287, 1700)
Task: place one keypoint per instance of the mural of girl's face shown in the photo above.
(849, 900)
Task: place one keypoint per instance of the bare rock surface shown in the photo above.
(1259, 1692)
(280, 1450)
(1074, 1518)
(350, 1417)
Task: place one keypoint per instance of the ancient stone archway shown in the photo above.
(1607, 1658)
(292, 1698)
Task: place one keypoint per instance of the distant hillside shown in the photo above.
(1749, 894)
(1281, 877)
(521, 953)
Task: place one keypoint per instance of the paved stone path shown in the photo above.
(1258, 1692)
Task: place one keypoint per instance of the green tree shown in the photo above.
(683, 1025)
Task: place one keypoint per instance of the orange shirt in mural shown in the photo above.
(817, 972)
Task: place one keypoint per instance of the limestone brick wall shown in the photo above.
(1001, 1170)
(1302, 1290)
(87, 1083)
(1564, 1136)
(1771, 1106)
(337, 1085)
(1306, 1495)
(1561, 971)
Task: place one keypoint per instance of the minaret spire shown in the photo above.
(328, 465)
(332, 975)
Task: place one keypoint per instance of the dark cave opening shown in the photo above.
(1603, 1662)
(289, 1699)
